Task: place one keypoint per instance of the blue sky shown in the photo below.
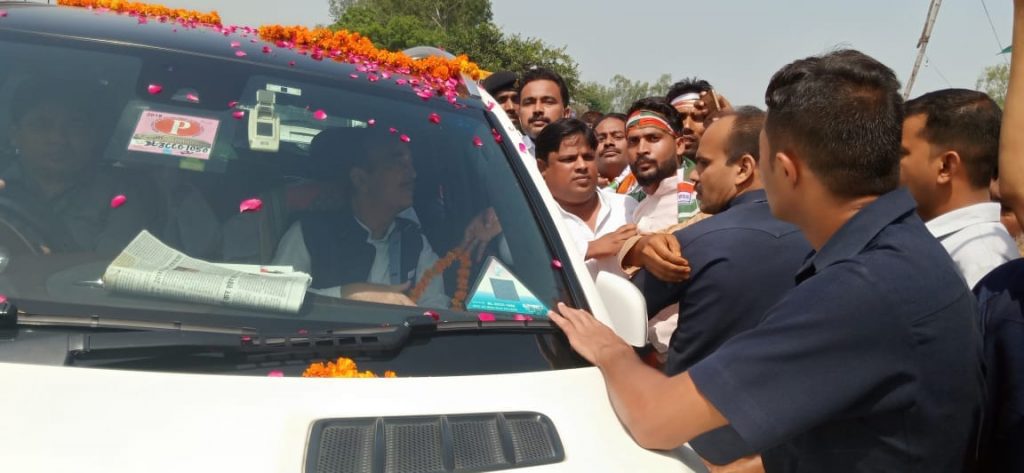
(734, 44)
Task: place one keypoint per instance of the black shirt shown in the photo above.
(742, 261)
(1001, 304)
(871, 363)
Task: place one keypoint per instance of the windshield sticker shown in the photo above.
(175, 135)
(498, 290)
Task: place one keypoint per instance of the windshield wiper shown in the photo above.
(144, 339)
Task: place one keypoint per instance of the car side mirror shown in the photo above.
(626, 307)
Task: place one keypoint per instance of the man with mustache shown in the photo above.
(599, 222)
(612, 161)
(654, 144)
(543, 99)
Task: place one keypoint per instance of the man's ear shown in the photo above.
(542, 165)
(567, 112)
(745, 168)
(791, 167)
(948, 165)
(680, 146)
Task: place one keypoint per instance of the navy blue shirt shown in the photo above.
(871, 363)
(742, 261)
(1001, 304)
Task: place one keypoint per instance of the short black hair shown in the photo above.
(618, 116)
(744, 134)
(965, 121)
(540, 73)
(690, 85)
(662, 107)
(844, 112)
(550, 138)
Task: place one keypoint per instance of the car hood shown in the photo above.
(80, 419)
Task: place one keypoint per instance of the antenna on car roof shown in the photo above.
(420, 52)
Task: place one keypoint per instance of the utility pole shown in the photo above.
(922, 44)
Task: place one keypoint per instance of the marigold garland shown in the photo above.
(147, 9)
(343, 43)
(340, 45)
(439, 267)
(342, 368)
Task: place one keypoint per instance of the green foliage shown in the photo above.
(466, 27)
(993, 81)
(459, 26)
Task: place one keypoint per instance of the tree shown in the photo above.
(993, 82)
(458, 26)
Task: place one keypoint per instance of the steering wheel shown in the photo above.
(21, 232)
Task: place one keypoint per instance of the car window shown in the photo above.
(145, 181)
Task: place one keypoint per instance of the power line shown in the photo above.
(993, 27)
(929, 64)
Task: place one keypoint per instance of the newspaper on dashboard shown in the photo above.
(148, 267)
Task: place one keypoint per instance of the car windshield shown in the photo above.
(160, 185)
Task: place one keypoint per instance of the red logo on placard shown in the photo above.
(177, 126)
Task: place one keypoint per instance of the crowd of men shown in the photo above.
(834, 283)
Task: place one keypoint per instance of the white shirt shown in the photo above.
(291, 250)
(613, 212)
(660, 210)
(975, 238)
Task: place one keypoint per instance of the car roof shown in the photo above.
(106, 26)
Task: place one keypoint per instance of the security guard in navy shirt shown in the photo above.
(725, 293)
(873, 361)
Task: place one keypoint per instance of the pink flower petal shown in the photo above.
(291, 63)
(266, 50)
(496, 135)
(232, 103)
(371, 122)
(556, 264)
(523, 148)
(372, 78)
(319, 115)
(393, 130)
(303, 331)
(485, 317)
(250, 205)
(405, 138)
(143, 20)
(238, 114)
(240, 53)
(434, 118)
(401, 81)
(118, 201)
(354, 75)
(3, 298)
(154, 89)
(276, 374)
(385, 75)
(425, 94)
(192, 97)
(490, 106)
(433, 315)
(236, 44)
(3, 13)
(521, 317)
(478, 142)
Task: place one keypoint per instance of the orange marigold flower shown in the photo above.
(341, 368)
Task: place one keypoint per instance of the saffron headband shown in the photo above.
(647, 118)
(687, 97)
